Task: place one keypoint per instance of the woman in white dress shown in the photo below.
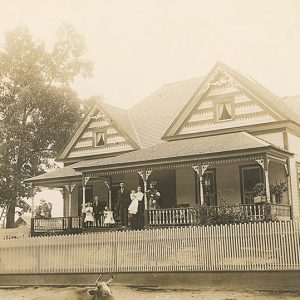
(133, 209)
(89, 217)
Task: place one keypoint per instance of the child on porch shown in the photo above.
(89, 215)
(108, 216)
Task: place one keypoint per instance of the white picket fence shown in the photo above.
(256, 246)
(20, 232)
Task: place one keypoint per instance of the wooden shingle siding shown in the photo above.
(115, 141)
(246, 111)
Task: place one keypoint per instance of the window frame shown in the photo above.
(217, 103)
(245, 167)
(95, 135)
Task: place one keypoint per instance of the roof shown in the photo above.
(149, 121)
(121, 117)
(65, 172)
(185, 148)
(153, 115)
(280, 105)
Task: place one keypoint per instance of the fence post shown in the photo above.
(32, 226)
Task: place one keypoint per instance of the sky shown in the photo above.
(139, 45)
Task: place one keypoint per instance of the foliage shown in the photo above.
(226, 213)
(259, 189)
(278, 189)
(38, 109)
(43, 210)
(223, 214)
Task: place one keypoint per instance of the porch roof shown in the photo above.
(178, 150)
(59, 175)
(187, 149)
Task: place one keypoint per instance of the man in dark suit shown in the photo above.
(123, 201)
(98, 208)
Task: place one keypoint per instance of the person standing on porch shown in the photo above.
(98, 209)
(141, 207)
(133, 209)
(89, 218)
(123, 201)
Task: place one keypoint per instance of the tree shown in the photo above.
(38, 109)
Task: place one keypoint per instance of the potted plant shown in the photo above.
(277, 190)
(260, 193)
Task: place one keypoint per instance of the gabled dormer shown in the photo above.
(105, 131)
(226, 101)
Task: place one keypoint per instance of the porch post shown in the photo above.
(107, 183)
(266, 170)
(145, 175)
(69, 187)
(200, 169)
(83, 195)
(85, 181)
(33, 192)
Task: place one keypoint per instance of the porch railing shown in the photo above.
(61, 224)
(170, 216)
(162, 217)
(184, 216)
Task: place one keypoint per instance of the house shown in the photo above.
(219, 134)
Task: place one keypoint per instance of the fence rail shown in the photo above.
(254, 246)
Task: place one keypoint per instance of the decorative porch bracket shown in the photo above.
(264, 163)
(200, 170)
(145, 175)
(107, 183)
(85, 181)
(70, 187)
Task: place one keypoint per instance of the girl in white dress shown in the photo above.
(108, 216)
(89, 217)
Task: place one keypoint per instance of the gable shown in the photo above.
(98, 135)
(221, 103)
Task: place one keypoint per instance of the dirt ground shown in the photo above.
(126, 293)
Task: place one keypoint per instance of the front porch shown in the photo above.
(210, 174)
(154, 218)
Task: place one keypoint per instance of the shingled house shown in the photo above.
(222, 133)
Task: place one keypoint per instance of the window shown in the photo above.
(99, 138)
(250, 176)
(224, 110)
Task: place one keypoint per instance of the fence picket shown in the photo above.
(254, 246)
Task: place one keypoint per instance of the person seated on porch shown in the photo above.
(89, 218)
(108, 216)
(133, 209)
(153, 196)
